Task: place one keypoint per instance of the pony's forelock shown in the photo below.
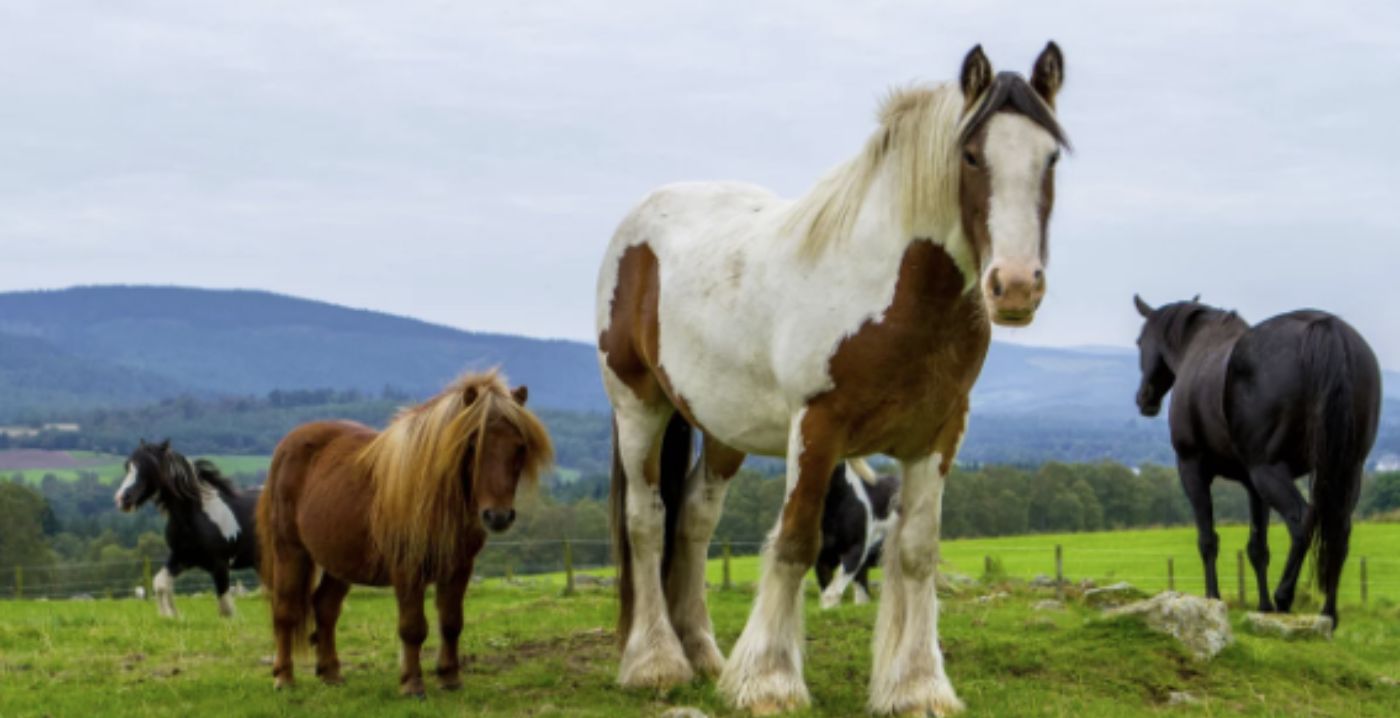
(419, 512)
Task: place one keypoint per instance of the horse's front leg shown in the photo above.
(846, 572)
(1196, 482)
(1279, 491)
(908, 675)
(221, 587)
(685, 582)
(163, 586)
(413, 630)
(764, 671)
(451, 592)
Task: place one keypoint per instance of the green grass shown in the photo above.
(110, 467)
(536, 653)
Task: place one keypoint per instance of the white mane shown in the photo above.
(918, 131)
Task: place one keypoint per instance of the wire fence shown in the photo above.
(1367, 578)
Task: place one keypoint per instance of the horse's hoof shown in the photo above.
(333, 679)
(281, 683)
(454, 684)
(658, 669)
(413, 690)
(704, 656)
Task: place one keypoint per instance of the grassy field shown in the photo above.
(534, 652)
(111, 467)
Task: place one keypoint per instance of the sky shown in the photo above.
(467, 162)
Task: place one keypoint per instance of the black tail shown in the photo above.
(676, 446)
(1340, 442)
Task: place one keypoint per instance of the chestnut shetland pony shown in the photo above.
(404, 507)
(848, 322)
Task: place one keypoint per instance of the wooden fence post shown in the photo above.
(1059, 572)
(1171, 573)
(725, 553)
(1239, 568)
(987, 566)
(19, 582)
(568, 568)
(146, 578)
(1364, 590)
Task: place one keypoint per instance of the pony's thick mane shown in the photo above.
(420, 508)
(919, 130)
(1180, 320)
(183, 482)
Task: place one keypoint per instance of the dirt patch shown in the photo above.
(580, 651)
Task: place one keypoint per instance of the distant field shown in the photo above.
(531, 652)
(69, 465)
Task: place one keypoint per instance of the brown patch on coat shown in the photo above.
(975, 196)
(720, 459)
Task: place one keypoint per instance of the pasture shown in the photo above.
(535, 652)
(69, 465)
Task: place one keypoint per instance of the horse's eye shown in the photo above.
(1054, 157)
(970, 159)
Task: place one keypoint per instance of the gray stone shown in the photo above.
(1048, 605)
(1042, 581)
(1182, 698)
(1201, 624)
(1117, 594)
(991, 597)
(1289, 627)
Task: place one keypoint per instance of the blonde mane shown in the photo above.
(919, 130)
(419, 511)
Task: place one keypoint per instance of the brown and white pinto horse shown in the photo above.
(404, 507)
(851, 321)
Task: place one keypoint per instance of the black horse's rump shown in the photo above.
(1293, 396)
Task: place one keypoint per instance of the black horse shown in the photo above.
(1296, 395)
(859, 512)
(209, 521)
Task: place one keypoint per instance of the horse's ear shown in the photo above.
(1048, 73)
(1196, 298)
(976, 75)
(1143, 308)
(521, 393)
(164, 446)
(469, 396)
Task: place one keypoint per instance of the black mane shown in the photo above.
(1010, 92)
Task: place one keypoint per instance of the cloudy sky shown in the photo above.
(466, 162)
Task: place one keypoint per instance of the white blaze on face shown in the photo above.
(127, 483)
(219, 513)
(1017, 153)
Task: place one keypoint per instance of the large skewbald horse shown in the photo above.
(404, 507)
(851, 321)
(1296, 395)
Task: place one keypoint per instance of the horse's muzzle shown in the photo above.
(498, 520)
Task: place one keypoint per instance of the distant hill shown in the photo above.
(92, 347)
(152, 342)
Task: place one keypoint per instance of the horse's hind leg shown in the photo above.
(327, 602)
(1196, 483)
(291, 591)
(652, 655)
(862, 590)
(1279, 491)
(764, 671)
(685, 583)
(221, 586)
(845, 573)
(450, 594)
(1258, 547)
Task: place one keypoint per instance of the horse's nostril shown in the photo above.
(996, 283)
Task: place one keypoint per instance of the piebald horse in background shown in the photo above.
(1293, 396)
(859, 514)
(404, 507)
(208, 521)
(848, 322)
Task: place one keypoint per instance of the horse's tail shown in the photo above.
(271, 515)
(675, 462)
(1339, 440)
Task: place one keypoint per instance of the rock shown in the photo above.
(950, 582)
(588, 579)
(1115, 595)
(1048, 605)
(81, 597)
(1182, 698)
(1289, 627)
(1042, 581)
(1201, 624)
(684, 712)
(989, 598)
(1086, 584)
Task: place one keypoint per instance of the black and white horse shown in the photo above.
(209, 521)
(859, 513)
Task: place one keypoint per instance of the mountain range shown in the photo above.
(115, 346)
